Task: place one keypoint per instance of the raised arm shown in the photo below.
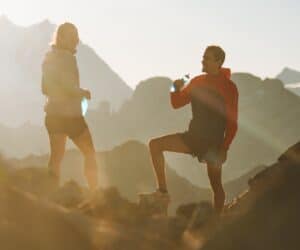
(182, 97)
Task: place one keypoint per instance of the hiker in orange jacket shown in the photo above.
(214, 101)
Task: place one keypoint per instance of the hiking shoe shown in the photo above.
(157, 195)
(53, 178)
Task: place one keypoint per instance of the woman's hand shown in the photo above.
(86, 93)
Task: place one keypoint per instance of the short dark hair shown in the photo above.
(218, 52)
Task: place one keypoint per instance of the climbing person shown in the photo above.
(214, 102)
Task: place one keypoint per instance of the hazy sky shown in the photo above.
(140, 39)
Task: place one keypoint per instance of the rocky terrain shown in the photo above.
(35, 214)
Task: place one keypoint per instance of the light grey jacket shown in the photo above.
(60, 83)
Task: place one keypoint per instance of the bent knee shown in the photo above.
(155, 145)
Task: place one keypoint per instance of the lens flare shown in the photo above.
(84, 106)
(172, 88)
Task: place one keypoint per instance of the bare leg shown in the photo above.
(214, 174)
(171, 143)
(85, 144)
(57, 150)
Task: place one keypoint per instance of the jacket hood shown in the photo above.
(226, 72)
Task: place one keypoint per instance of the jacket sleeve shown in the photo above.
(231, 102)
(50, 80)
(69, 78)
(183, 97)
(60, 77)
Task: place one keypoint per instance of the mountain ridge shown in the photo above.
(23, 54)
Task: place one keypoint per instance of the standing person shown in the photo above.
(60, 84)
(214, 101)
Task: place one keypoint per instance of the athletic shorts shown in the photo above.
(204, 149)
(70, 126)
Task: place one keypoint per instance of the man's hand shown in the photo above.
(178, 84)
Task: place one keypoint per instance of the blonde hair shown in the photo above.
(63, 34)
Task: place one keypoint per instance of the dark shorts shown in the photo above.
(205, 150)
(70, 126)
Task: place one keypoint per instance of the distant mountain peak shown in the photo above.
(5, 21)
(4, 17)
(288, 70)
(20, 45)
(45, 22)
(289, 75)
(44, 26)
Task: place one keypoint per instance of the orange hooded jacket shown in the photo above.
(224, 87)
